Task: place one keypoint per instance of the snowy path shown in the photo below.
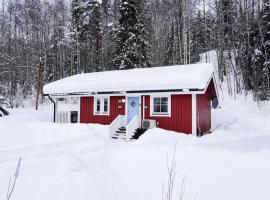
(76, 161)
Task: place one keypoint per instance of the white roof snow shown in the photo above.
(194, 76)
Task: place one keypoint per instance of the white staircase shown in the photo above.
(132, 127)
(117, 122)
(119, 131)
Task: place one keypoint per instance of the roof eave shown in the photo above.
(178, 91)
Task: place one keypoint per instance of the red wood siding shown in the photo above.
(204, 112)
(181, 115)
(211, 89)
(87, 110)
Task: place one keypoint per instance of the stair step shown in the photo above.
(117, 134)
(121, 138)
(120, 131)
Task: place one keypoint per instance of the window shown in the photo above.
(160, 105)
(101, 106)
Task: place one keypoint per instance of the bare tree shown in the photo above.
(12, 183)
(169, 185)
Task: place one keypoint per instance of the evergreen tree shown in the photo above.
(109, 18)
(94, 33)
(225, 33)
(169, 53)
(246, 33)
(261, 59)
(132, 36)
(58, 40)
(200, 32)
(227, 21)
(126, 44)
(144, 39)
(76, 35)
(266, 46)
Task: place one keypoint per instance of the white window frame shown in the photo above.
(101, 106)
(152, 114)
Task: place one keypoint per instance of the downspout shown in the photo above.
(143, 110)
(143, 107)
(54, 106)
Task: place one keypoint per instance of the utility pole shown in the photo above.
(39, 79)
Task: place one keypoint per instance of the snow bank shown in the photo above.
(34, 131)
(160, 136)
(79, 161)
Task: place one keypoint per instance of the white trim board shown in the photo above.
(131, 94)
(152, 114)
(101, 105)
(194, 114)
(79, 111)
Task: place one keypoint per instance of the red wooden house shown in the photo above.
(176, 98)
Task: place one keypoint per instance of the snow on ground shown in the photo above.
(79, 161)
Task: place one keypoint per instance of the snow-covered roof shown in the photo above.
(177, 77)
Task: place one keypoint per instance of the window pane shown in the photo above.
(98, 105)
(105, 105)
(156, 108)
(105, 108)
(164, 100)
(98, 108)
(156, 100)
(164, 108)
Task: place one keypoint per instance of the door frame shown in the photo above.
(126, 106)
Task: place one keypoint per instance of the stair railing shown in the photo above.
(132, 126)
(118, 122)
